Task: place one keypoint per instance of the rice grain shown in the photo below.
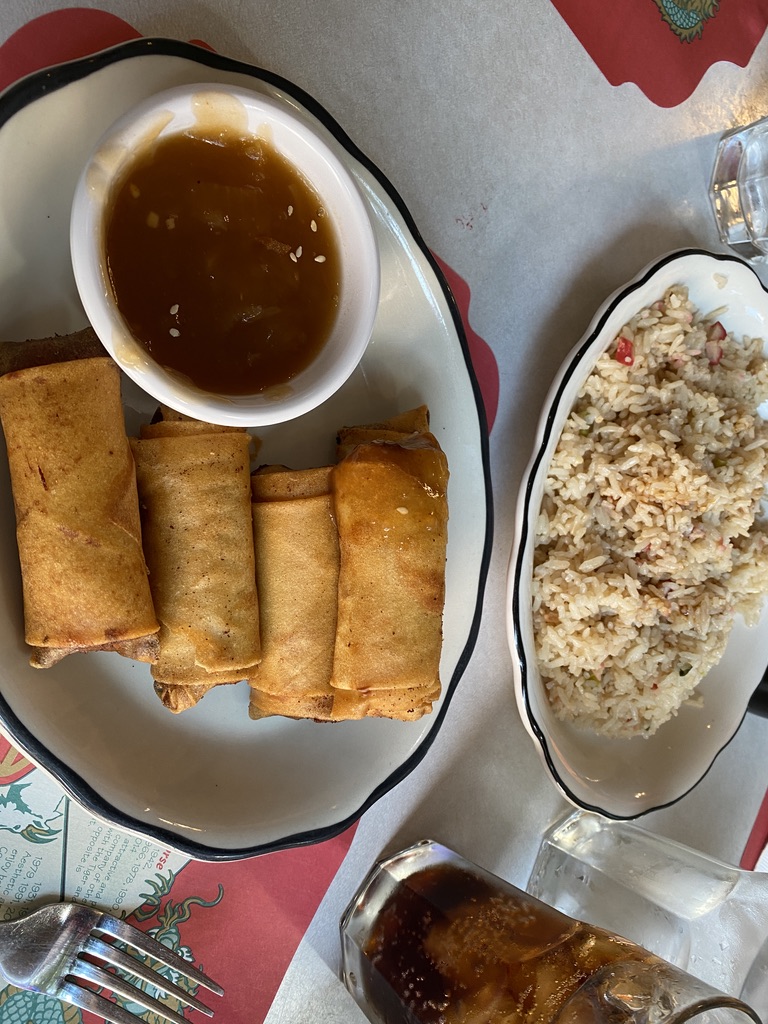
(650, 537)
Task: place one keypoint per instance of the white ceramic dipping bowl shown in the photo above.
(294, 138)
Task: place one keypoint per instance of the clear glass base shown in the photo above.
(738, 191)
(704, 916)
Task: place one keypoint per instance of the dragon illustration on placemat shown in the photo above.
(687, 18)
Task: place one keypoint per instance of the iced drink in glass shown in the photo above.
(431, 938)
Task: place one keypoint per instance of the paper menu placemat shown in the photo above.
(51, 849)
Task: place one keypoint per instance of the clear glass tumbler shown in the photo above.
(739, 190)
(431, 938)
(702, 915)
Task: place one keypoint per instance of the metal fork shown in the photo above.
(64, 948)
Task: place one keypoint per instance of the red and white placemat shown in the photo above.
(665, 46)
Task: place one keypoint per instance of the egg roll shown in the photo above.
(406, 704)
(183, 428)
(84, 576)
(277, 483)
(401, 427)
(390, 506)
(58, 348)
(317, 707)
(194, 492)
(335, 576)
(297, 568)
(346, 705)
(182, 698)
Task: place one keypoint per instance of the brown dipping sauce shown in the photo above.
(222, 262)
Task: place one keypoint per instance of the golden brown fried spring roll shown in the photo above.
(277, 483)
(346, 705)
(398, 428)
(298, 563)
(59, 348)
(408, 704)
(182, 698)
(318, 707)
(297, 568)
(392, 515)
(198, 540)
(183, 428)
(83, 571)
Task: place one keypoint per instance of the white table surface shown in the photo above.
(545, 188)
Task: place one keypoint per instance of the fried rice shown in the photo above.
(650, 538)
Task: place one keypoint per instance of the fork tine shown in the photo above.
(119, 958)
(96, 1004)
(90, 972)
(126, 933)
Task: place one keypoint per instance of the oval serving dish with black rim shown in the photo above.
(210, 783)
(625, 778)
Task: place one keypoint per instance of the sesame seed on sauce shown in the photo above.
(223, 279)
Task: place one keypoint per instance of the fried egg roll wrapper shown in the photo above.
(183, 428)
(400, 428)
(277, 483)
(59, 348)
(182, 698)
(143, 648)
(84, 577)
(409, 422)
(346, 705)
(165, 412)
(318, 707)
(391, 511)
(297, 571)
(407, 704)
(195, 500)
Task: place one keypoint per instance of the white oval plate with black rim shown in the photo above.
(210, 783)
(617, 777)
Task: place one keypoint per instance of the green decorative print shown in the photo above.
(23, 820)
(687, 18)
(168, 932)
(152, 900)
(20, 1007)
